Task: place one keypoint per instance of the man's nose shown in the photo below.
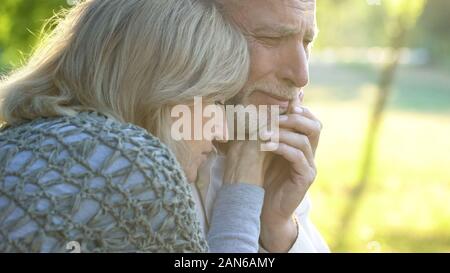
(294, 69)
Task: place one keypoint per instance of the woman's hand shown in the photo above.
(245, 163)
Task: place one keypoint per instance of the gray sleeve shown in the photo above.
(235, 224)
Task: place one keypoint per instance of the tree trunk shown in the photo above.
(384, 91)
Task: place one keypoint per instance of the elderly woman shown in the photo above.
(86, 153)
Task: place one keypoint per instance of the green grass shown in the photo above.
(406, 206)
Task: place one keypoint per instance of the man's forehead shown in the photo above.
(299, 4)
(286, 16)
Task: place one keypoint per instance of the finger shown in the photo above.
(298, 141)
(307, 113)
(300, 124)
(295, 156)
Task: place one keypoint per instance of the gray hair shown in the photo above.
(131, 60)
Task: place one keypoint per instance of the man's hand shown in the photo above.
(289, 176)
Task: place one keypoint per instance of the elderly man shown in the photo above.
(279, 34)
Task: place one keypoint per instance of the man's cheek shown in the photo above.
(263, 61)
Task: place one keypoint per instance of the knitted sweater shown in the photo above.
(111, 187)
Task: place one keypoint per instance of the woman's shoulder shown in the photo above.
(87, 136)
(92, 176)
(82, 126)
(88, 146)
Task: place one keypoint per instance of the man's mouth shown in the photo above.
(272, 99)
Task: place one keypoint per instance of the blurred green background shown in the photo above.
(380, 83)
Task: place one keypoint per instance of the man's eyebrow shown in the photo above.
(276, 29)
(285, 30)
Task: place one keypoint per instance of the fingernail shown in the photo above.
(298, 110)
(265, 135)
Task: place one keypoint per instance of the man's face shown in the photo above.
(279, 33)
